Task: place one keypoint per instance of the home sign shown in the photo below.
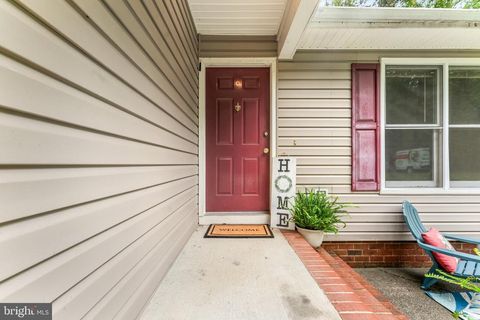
(284, 171)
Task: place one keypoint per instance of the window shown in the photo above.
(464, 126)
(413, 126)
(430, 142)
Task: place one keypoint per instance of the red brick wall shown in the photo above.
(364, 254)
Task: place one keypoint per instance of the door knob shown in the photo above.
(266, 150)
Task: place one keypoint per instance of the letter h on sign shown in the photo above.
(283, 165)
(283, 191)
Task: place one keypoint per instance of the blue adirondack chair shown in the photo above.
(468, 265)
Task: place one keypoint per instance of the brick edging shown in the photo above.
(351, 295)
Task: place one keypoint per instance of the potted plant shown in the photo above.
(316, 213)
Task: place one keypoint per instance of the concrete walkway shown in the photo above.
(242, 279)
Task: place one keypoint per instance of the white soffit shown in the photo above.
(237, 17)
(340, 28)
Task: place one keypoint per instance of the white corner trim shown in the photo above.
(382, 125)
(201, 141)
(242, 63)
(295, 19)
(445, 128)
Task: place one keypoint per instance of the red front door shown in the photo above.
(237, 139)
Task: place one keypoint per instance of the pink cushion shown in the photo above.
(434, 237)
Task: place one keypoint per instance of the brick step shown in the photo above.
(351, 295)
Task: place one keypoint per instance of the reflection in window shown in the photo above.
(464, 126)
(412, 95)
(464, 93)
(464, 156)
(412, 158)
(413, 135)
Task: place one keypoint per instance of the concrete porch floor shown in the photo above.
(402, 287)
(238, 279)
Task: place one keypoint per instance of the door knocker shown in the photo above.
(238, 107)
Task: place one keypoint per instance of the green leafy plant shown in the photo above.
(316, 210)
(465, 283)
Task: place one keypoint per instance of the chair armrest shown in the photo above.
(451, 253)
(462, 239)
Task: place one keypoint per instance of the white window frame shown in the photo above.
(445, 63)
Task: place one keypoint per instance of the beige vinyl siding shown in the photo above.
(314, 114)
(99, 161)
(237, 46)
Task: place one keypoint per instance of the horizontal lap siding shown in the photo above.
(314, 120)
(99, 161)
(237, 46)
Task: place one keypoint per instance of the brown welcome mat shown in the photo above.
(239, 231)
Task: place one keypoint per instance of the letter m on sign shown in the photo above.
(282, 202)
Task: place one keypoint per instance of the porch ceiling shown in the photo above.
(392, 28)
(307, 25)
(234, 17)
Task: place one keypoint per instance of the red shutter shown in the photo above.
(365, 127)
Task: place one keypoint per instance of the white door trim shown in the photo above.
(205, 217)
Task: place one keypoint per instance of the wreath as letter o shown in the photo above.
(281, 180)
